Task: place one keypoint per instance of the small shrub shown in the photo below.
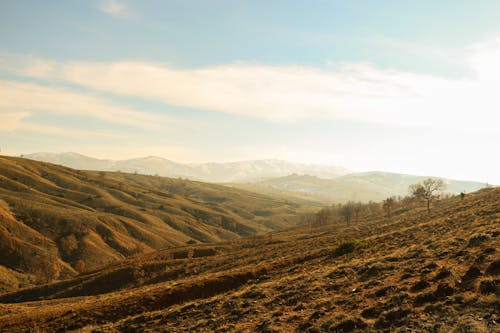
(349, 247)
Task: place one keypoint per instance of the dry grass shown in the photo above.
(56, 221)
(418, 271)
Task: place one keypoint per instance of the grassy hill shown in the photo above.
(418, 271)
(365, 186)
(56, 221)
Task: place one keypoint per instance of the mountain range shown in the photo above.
(276, 178)
(243, 171)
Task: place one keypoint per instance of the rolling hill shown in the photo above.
(275, 178)
(56, 221)
(242, 171)
(366, 186)
(417, 271)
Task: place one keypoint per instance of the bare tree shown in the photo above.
(347, 211)
(324, 217)
(426, 189)
(388, 206)
(357, 207)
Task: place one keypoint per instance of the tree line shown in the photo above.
(425, 192)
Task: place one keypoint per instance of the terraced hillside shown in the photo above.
(418, 271)
(56, 221)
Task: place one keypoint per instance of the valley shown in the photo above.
(417, 270)
(58, 221)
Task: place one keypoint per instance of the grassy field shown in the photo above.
(421, 271)
(57, 222)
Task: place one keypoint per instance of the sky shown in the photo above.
(398, 86)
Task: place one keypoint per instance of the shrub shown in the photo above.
(349, 247)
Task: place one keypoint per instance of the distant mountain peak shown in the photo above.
(237, 171)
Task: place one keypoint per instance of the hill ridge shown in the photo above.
(411, 270)
(75, 220)
(246, 170)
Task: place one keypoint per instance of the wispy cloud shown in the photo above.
(115, 8)
(67, 132)
(10, 121)
(360, 92)
(18, 101)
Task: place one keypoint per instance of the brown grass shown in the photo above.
(57, 222)
(418, 271)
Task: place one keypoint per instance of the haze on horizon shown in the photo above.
(409, 88)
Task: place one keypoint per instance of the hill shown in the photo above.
(421, 271)
(366, 186)
(242, 171)
(57, 221)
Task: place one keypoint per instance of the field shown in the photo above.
(417, 271)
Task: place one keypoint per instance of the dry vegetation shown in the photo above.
(416, 271)
(56, 222)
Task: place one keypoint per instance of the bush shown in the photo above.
(349, 247)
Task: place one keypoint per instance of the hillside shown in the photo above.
(57, 221)
(417, 271)
(241, 171)
(366, 186)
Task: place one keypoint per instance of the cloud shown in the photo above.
(115, 8)
(66, 132)
(11, 121)
(19, 100)
(28, 65)
(357, 91)
(293, 93)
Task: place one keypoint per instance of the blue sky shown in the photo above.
(400, 86)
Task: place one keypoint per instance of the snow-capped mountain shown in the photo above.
(243, 171)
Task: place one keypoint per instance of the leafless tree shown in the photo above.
(324, 217)
(388, 206)
(426, 190)
(347, 211)
(357, 207)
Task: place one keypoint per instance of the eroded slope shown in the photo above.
(435, 271)
(56, 221)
